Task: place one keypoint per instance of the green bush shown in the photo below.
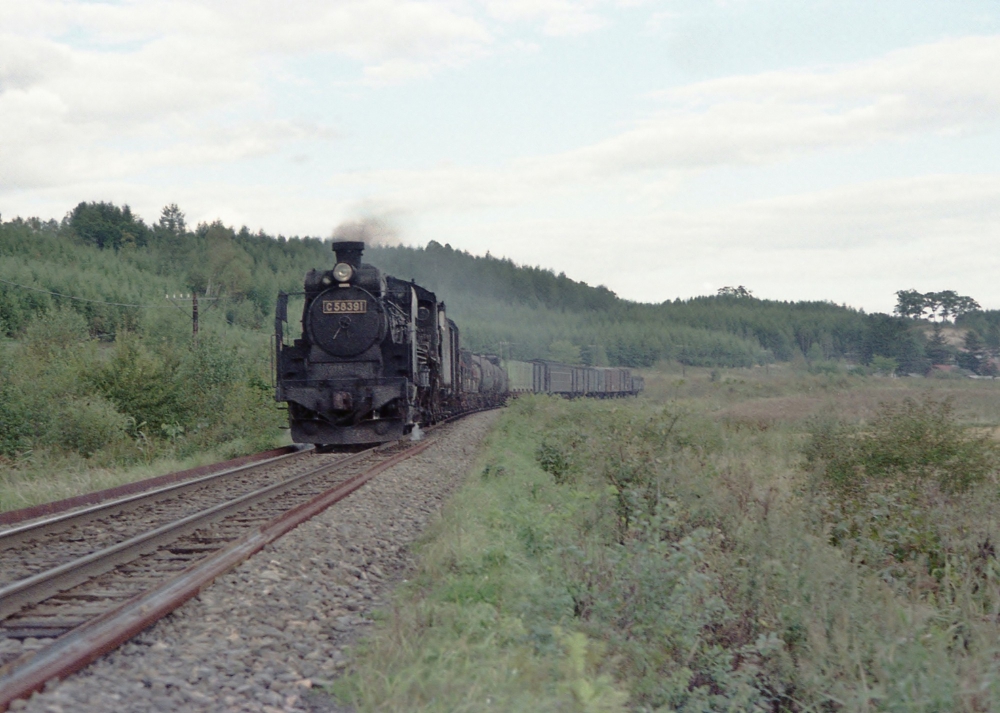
(904, 445)
(15, 422)
(552, 458)
(141, 384)
(884, 486)
(88, 425)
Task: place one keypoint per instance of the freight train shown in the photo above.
(378, 356)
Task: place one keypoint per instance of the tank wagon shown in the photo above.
(378, 356)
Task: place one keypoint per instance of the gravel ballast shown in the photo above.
(266, 634)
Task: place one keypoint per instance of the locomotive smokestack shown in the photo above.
(349, 251)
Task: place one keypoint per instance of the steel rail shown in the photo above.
(38, 587)
(86, 643)
(32, 512)
(13, 535)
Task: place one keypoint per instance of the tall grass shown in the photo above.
(682, 553)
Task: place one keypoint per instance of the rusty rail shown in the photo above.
(154, 489)
(86, 643)
(29, 513)
(34, 589)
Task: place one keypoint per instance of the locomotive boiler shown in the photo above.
(377, 356)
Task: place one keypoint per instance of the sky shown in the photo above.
(835, 150)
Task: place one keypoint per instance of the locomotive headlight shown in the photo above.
(342, 272)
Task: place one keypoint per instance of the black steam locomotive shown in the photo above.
(377, 356)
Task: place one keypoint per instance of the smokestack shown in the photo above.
(349, 251)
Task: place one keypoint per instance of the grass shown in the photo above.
(679, 552)
(44, 476)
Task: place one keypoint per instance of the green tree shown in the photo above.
(993, 339)
(223, 266)
(943, 305)
(937, 349)
(975, 356)
(172, 220)
(108, 226)
(910, 303)
(740, 292)
(892, 338)
(564, 351)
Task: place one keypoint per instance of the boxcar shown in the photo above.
(548, 377)
(521, 375)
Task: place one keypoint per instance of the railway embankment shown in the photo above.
(270, 634)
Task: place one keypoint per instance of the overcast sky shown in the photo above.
(808, 149)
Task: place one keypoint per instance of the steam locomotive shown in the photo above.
(379, 356)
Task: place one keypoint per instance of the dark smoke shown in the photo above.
(372, 231)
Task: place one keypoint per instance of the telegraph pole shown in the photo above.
(183, 297)
(194, 317)
(510, 352)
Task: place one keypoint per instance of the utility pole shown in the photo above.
(510, 351)
(194, 317)
(183, 297)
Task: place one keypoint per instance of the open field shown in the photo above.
(762, 539)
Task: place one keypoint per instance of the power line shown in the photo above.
(99, 302)
(71, 297)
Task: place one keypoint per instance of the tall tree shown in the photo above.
(975, 356)
(739, 291)
(937, 349)
(892, 338)
(910, 303)
(172, 219)
(107, 226)
(942, 305)
(222, 264)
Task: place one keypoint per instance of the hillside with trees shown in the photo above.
(120, 269)
(96, 327)
(105, 254)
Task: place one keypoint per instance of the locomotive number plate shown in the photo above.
(345, 306)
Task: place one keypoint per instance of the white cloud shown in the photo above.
(92, 90)
(944, 88)
(948, 86)
(97, 97)
(857, 244)
(559, 17)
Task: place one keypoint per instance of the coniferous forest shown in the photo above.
(95, 317)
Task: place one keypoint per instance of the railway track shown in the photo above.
(74, 586)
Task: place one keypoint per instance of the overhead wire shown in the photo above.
(84, 299)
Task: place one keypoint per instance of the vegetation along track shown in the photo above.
(111, 571)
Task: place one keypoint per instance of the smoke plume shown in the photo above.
(372, 231)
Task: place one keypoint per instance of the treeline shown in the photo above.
(106, 254)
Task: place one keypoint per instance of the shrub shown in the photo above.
(49, 336)
(140, 384)
(87, 425)
(905, 444)
(884, 487)
(553, 460)
(15, 423)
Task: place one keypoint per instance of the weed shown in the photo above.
(493, 470)
(552, 458)
(684, 558)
